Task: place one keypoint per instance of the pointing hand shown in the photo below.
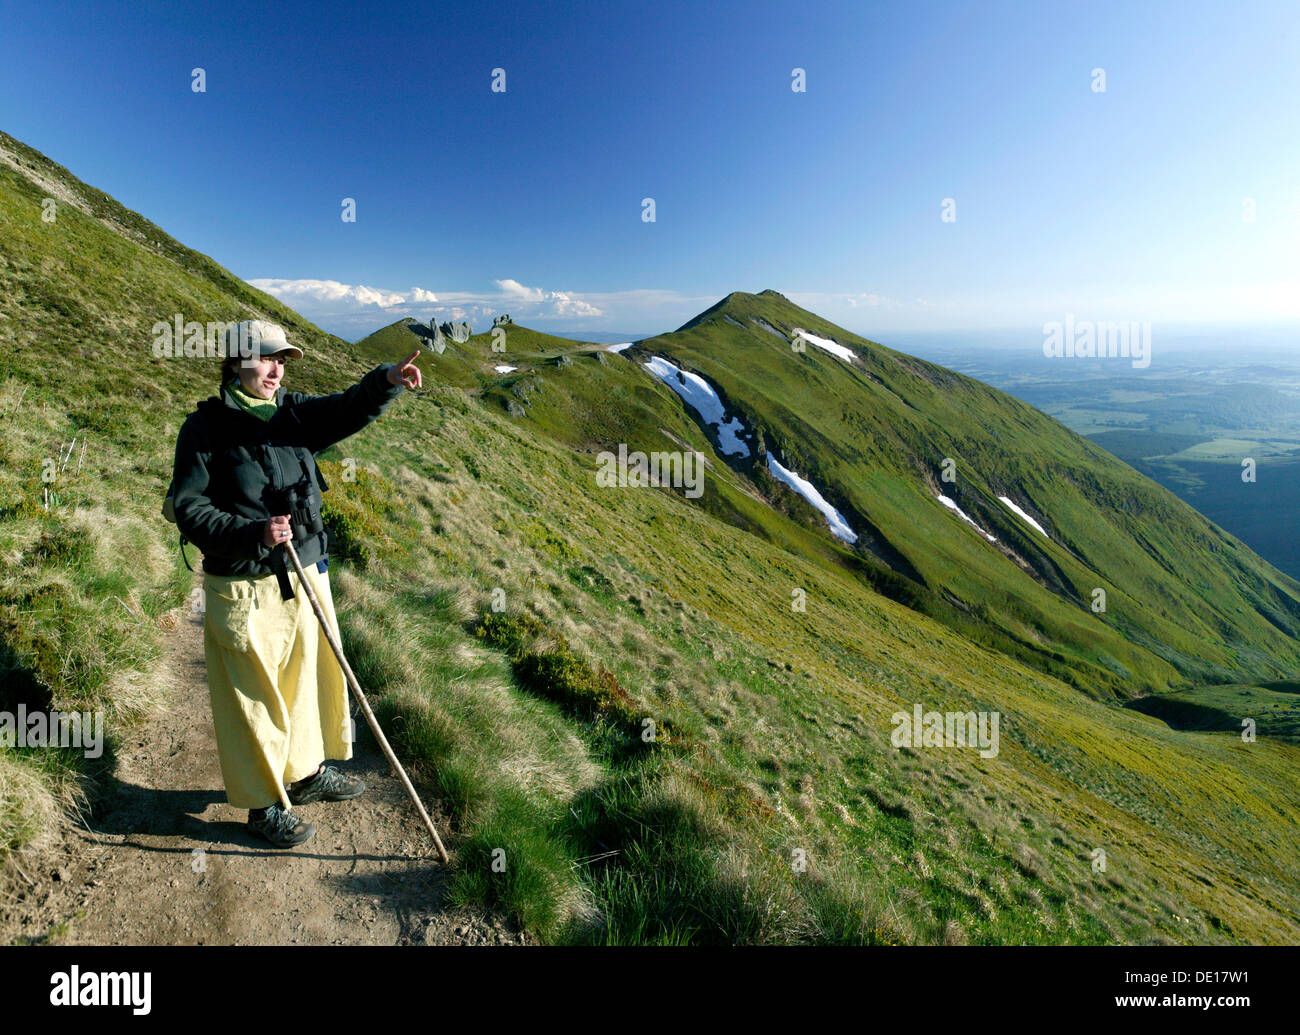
(406, 372)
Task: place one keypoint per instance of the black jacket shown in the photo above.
(231, 469)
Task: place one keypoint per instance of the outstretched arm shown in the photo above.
(326, 419)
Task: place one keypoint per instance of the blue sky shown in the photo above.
(1125, 204)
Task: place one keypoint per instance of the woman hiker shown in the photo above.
(246, 482)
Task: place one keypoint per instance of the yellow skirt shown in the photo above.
(279, 699)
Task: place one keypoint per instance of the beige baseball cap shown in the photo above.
(254, 338)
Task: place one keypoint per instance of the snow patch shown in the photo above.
(834, 348)
(1025, 517)
(503, 369)
(806, 489)
(618, 348)
(952, 505)
(700, 394)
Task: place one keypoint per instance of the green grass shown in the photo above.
(695, 642)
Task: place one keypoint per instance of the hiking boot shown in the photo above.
(327, 785)
(280, 826)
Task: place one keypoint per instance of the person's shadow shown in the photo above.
(130, 811)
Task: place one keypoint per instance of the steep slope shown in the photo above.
(714, 579)
(958, 500)
(589, 398)
(96, 277)
(1183, 600)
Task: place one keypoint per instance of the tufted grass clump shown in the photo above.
(550, 667)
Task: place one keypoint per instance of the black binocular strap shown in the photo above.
(281, 566)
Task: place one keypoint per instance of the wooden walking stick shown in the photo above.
(365, 705)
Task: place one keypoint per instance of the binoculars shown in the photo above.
(303, 508)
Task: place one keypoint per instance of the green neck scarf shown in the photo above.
(262, 409)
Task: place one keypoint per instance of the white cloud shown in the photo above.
(340, 298)
(812, 300)
(566, 305)
(514, 290)
(353, 311)
(561, 303)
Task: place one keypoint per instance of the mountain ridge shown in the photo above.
(881, 391)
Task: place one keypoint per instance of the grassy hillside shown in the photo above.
(783, 718)
(613, 689)
(1184, 601)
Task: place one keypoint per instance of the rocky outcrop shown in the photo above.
(759, 321)
(438, 343)
(521, 390)
(457, 330)
(430, 336)
(525, 386)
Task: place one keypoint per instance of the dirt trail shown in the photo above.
(165, 860)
